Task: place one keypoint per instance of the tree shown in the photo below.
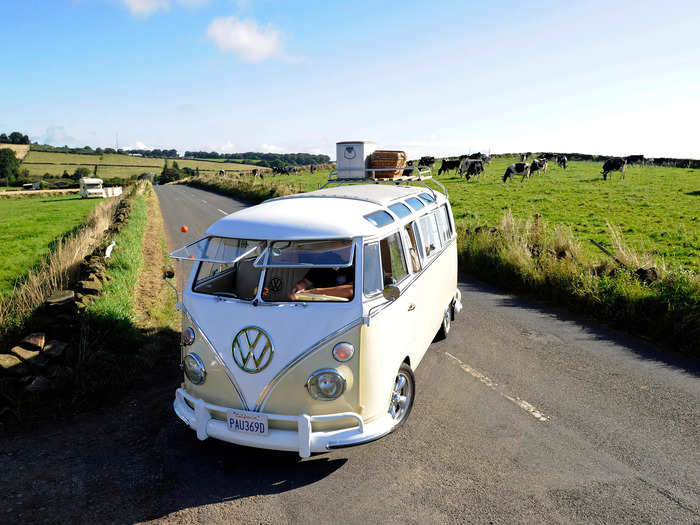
(9, 165)
(16, 137)
(80, 172)
(4, 139)
(169, 175)
(175, 166)
(94, 172)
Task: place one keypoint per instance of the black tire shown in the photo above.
(446, 324)
(407, 389)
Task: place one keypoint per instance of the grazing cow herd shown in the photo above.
(472, 165)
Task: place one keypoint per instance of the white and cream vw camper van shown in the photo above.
(304, 317)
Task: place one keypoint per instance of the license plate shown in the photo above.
(246, 422)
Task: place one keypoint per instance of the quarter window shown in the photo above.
(413, 251)
(443, 223)
(371, 264)
(393, 263)
(429, 234)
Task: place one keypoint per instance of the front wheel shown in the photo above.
(402, 395)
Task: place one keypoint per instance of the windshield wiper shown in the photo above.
(225, 294)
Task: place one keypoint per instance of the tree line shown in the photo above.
(14, 138)
(267, 160)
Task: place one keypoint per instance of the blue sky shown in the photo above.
(434, 77)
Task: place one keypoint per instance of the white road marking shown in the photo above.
(221, 211)
(204, 201)
(527, 407)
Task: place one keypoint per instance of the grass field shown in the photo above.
(28, 226)
(20, 150)
(657, 209)
(114, 165)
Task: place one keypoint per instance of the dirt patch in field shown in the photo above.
(150, 291)
(20, 150)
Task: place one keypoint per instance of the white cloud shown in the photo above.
(246, 38)
(228, 147)
(138, 145)
(147, 7)
(57, 136)
(271, 148)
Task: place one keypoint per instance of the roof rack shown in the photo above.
(420, 174)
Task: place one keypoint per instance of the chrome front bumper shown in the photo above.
(303, 440)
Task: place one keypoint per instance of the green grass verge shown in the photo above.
(115, 301)
(30, 227)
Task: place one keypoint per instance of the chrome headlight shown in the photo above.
(188, 336)
(343, 352)
(326, 384)
(194, 369)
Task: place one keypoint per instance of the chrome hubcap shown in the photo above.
(400, 398)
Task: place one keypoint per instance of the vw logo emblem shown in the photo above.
(252, 350)
(349, 152)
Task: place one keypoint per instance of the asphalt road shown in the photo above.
(525, 414)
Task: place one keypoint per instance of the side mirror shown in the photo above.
(168, 272)
(391, 292)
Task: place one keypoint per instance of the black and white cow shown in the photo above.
(471, 167)
(524, 156)
(426, 161)
(635, 159)
(538, 165)
(547, 156)
(519, 168)
(448, 165)
(562, 161)
(614, 164)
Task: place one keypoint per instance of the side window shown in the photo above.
(371, 264)
(413, 251)
(393, 263)
(429, 234)
(443, 222)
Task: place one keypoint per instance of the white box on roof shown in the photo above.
(352, 157)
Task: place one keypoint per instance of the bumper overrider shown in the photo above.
(303, 440)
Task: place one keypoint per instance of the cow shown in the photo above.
(524, 156)
(635, 159)
(448, 165)
(547, 156)
(426, 161)
(312, 168)
(562, 161)
(480, 156)
(519, 168)
(408, 170)
(614, 164)
(538, 165)
(471, 167)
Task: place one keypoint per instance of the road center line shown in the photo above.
(527, 407)
(221, 211)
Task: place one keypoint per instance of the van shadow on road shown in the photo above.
(136, 461)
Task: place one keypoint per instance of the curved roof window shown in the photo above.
(379, 218)
(415, 203)
(400, 209)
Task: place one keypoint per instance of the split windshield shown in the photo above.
(293, 270)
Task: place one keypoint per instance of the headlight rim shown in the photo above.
(191, 340)
(200, 364)
(316, 394)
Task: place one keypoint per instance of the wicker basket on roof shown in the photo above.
(387, 159)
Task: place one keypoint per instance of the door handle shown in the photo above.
(411, 307)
